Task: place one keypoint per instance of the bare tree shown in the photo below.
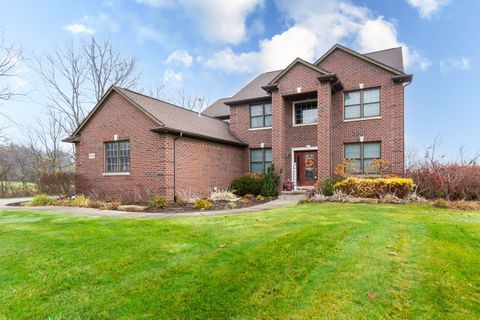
(189, 101)
(107, 67)
(77, 76)
(10, 56)
(156, 91)
(44, 141)
(63, 72)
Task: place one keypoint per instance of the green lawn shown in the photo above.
(304, 262)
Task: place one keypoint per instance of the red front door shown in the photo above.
(306, 168)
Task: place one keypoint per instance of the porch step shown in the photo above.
(292, 195)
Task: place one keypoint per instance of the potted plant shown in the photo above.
(288, 185)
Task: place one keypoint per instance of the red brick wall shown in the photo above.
(240, 127)
(202, 165)
(147, 153)
(389, 129)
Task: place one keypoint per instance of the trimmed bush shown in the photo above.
(247, 184)
(158, 202)
(56, 183)
(270, 182)
(202, 204)
(375, 188)
(41, 200)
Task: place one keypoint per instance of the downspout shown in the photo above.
(175, 166)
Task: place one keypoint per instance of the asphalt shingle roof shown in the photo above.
(183, 120)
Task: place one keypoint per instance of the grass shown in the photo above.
(305, 262)
(10, 189)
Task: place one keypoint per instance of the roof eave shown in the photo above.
(245, 101)
(72, 139)
(403, 78)
(197, 136)
(333, 80)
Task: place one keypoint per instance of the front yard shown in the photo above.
(310, 261)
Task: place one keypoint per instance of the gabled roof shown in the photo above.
(253, 90)
(369, 57)
(391, 57)
(218, 109)
(170, 118)
(291, 65)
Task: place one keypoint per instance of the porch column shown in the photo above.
(278, 134)
(324, 110)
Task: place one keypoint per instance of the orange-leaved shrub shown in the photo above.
(375, 188)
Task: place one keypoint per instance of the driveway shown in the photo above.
(144, 215)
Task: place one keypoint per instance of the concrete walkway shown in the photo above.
(143, 215)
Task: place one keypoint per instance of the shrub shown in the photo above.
(246, 200)
(260, 197)
(41, 200)
(232, 205)
(325, 186)
(56, 183)
(304, 201)
(81, 201)
(202, 204)
(452, 181)
(158, 202)
(288, 185)
(247, 183)
(270, 182)
(375, 188)
(222, 195)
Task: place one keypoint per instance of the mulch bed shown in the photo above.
(216, 205)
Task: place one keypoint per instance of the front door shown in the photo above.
(306, 168)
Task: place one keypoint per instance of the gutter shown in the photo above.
(198, 136)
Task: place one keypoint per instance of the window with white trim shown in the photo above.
(305, 113)
(260, 160)
(261, 115)
(117, 156)
(362, 155)
(362, 104)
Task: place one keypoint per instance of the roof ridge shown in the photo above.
(166, 102)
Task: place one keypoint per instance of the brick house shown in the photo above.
(305, 118)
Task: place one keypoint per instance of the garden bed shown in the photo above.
(216, 205)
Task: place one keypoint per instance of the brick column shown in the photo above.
(324, 130)
(278, 134)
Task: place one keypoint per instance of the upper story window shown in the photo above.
(260, 160)
(305, 112)
(117, 156)
(261, 115)
(362, 104)
(363, 155)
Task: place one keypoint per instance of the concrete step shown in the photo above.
(292, 195)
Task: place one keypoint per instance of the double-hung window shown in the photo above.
(260, 160)
(362, 155)
(305, 113)
(261, 115)
(362, 104)
(117, 156)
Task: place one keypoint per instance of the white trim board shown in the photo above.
(293, 160)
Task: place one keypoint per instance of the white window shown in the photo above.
(260, 160)
(261, 115)
(362, 155)
(362, 104)
(305, 113)
(117, 156)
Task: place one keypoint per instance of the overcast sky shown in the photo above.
(214, 47)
